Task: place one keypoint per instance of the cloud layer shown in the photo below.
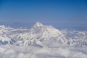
(35, 52)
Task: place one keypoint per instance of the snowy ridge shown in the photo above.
(42, 36)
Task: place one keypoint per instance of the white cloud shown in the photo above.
(35, 52)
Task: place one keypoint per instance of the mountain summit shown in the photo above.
(38, 24)
(46, 34)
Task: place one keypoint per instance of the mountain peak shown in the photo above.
(38, 24)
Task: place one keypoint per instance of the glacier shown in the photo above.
(42, 41)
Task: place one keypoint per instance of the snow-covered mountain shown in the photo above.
(42, 36)
(75, 38)
(42, 41)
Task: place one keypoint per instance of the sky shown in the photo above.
(54, 12)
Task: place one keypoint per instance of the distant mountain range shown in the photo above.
(42, 36)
